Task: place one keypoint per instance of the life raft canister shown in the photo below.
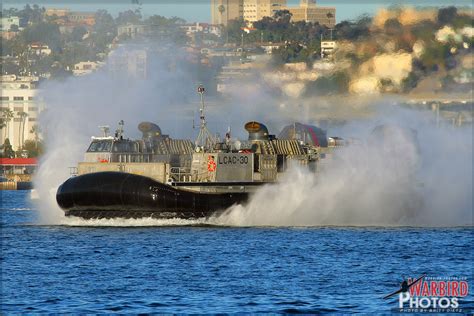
(211, 164)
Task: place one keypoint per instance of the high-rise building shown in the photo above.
(255, 10)
(222, 11)
(307, 3)
(308, 11)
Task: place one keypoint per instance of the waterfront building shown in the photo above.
(17, 166)
(18, 97)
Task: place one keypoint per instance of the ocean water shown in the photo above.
(216, 269)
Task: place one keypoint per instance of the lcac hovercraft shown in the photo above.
(161, 177)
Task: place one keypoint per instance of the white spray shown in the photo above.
(368, 184)
(397, 180)
(77, 106)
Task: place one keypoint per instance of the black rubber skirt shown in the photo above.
(124, 195)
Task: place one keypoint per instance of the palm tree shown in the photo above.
(7, 116)
(221, 9)
(21, 128)
(35, 129)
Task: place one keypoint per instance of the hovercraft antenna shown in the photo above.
(204, 140)
(105, 130)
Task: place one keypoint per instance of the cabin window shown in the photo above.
(100, 146)
(124, 147)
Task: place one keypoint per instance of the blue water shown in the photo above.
(216, 269)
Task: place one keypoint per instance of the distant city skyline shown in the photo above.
(200, 10)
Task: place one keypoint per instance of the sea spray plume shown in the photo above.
(77, 106)
(354, 190)
(400, 181)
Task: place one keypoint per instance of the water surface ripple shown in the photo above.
(198, 269)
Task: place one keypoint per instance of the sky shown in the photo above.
(200, 10)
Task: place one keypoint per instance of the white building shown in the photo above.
(270, 47)
(201, 27)
(327, 48)
(132, 30)
(40, 49)
(7, 23)
(18, 94)
(86, 67)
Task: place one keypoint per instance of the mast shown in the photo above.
(204, 139)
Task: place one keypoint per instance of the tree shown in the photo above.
(434, 56)
(336, 83)
(43, 32)
(7, 116)
(410, 82)
(354, 30)
(289, 53)
(29, 15)
(33, 149)
(104, 23)
(161, 21)
(104, 30)
(393, 27)
(77, 52)
(14, 28)
(8, 151)
(221, 10)
(447, 15)
(283, 16)
(35, 130)
(129, 16)
(21, 128)
(78, 33)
